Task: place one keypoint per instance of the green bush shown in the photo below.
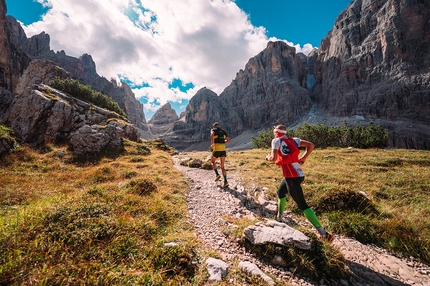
(323, 136)
(7, 134)
(86, 93)
(264, 139)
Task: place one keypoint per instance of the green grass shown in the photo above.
(95, 221)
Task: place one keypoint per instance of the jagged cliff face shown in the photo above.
(270, 89)
(375, 62)
(82, 69)
(35, 46)
(372, 66)
(12, 60)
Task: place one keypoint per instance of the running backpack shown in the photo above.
(288, 153)
(219, 135)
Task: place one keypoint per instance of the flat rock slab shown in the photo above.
(278, 233)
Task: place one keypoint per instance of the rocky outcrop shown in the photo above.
(82, 69)
(5, 146)
(161, 123)
(271, 89)
(40, 114)
(126, 99)
(35, 46)
(12, 60)
(375, 63)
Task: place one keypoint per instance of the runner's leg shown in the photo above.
(282, 200)
(213, 162)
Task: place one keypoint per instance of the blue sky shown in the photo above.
(167, 50)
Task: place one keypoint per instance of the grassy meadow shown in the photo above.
(95, 221)
(106, 220)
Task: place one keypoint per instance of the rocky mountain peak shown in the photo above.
(165, 115)
(270, 89)
(374, 64)
(12, 60)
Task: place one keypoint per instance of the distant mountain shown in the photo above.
(372, 66)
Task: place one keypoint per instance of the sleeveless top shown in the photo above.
(288, 156)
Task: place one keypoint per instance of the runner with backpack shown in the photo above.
(218, 140)
(285, 153)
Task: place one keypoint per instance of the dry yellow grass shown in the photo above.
(105, 220)
(102, 220)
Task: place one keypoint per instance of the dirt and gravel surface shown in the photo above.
(369, 265)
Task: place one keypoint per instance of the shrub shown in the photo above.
(371, 136)
(142, 187)
(7, 134)
(263, 139)
(86, 93)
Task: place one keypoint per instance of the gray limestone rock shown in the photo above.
(375, 63)
(278, 233)
(165, 115)
(217, 269)
(12, 60)
(42, 114)
(269, 90)
(252, 270)
(194, 126)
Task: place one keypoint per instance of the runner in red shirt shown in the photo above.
(285, 153)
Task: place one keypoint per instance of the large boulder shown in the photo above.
(41, 114)
(277, 233)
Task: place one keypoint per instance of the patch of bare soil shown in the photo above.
(368, 265)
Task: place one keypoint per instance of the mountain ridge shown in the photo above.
(371, 67)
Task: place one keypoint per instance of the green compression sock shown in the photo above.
(281, 204)
(216, 172)
(310, 215)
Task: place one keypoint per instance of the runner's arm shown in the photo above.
(212, 140)
(309, 147)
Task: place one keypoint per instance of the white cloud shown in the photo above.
(205, 42)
